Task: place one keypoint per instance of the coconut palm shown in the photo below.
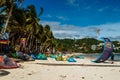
(7, 6)
(33, 28)
(50, 40)
(25, 22)
(17, 25)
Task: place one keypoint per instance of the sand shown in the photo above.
(85, 70)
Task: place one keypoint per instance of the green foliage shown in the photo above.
(77, 45)
(83, 45)
(25, 22)
(65, 44)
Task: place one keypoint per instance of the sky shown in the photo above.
(80, 18)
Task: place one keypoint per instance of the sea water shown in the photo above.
(94, 56)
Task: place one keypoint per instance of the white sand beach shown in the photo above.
(86, 70)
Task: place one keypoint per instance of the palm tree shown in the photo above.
(50, 40)
(2, 2)
(22, 22)
(8, 4)
(33, 28)
(25, 23)
(16, 26)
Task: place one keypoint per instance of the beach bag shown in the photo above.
(14, 55)
(33, 56)
(59, 57)
(39, 56)
(70, 59)
(65, 57)
(52, 56)
(81, 56)
(44, 57)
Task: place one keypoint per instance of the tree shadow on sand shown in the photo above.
(4, 73)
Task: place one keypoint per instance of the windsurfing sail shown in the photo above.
(107, 52)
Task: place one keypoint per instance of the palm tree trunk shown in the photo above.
(28, 39)
(7, 21)
(36, 46)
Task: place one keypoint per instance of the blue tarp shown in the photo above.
(70, 59)
(42, 56)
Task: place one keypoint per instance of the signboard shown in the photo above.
(4, 41)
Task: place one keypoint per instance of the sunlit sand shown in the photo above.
(69, 71)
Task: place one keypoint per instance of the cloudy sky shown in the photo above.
(80, 18)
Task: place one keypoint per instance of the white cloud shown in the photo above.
(73, 2)
(48, 16)
(58, 17)
(103, 8)
(110, 30)
(116, 9)
(50, 23)
(87, 7)
(61, 17)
